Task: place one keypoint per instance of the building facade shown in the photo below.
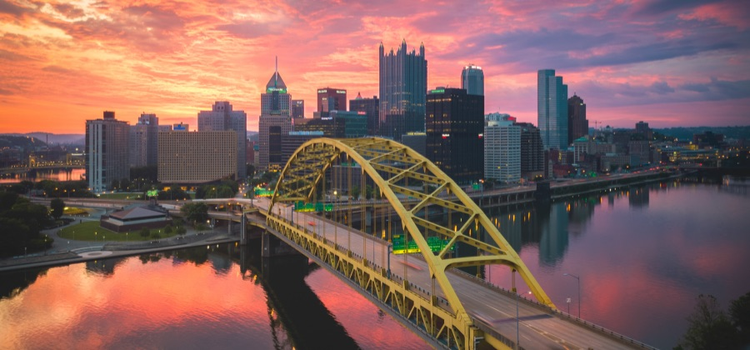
(107, 152)
(370, 107)
(298, 109)
(472, 80)
(271, 129)
(552, 108)
(222, 117)
(197, 157)
(455, 124)
(502, 151)
(578, 125)
(331, 99)
(532, 151)
(276, 100)
(403, 89)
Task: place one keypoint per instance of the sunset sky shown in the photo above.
(669, 63)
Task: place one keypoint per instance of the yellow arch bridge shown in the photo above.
(381, 199)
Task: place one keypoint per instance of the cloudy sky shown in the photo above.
(670, 63)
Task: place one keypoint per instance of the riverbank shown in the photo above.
(67, 251)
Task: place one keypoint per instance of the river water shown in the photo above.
(642, 256)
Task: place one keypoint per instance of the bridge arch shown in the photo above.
(391, 165)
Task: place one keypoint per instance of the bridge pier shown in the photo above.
(272, 246)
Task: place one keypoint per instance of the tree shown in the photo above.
(168, 229)
(709, 327)
(195, 212)
(57, 206)
(181, 230)
(145, 232)
(739, 312)
(368, 192)
(355, 192)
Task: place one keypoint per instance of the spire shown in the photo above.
(359, 96)
(276, 83)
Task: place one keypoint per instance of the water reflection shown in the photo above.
(208, 297)
(643, 254)
(13, 283)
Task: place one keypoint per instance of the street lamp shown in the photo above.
(579, 291)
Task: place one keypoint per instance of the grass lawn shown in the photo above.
(121, 195)
(75, 211)
(91, 231)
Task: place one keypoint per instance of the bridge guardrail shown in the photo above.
(561, 314)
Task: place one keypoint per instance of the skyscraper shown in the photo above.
(552, 108)
(196, 157)
(368, 106)
(455, 124)
(532, 151)
(472, 80)
(271, 130)
(106, 151)
(403, 89)
(578, 125)
(144, 141)
(276, 100)
(331, 99)
(502, 151)
(221, 117)
(298, 108)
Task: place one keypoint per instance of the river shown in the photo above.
(642, 256)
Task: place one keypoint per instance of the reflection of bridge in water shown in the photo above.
(427, 290)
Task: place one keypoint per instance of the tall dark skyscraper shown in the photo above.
(552, 107)
(472, 80)
(532, 151)
(370, 107)
(578, 125)
(403, 89)
(455, 127)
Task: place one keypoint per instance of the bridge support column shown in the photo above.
(243, 229)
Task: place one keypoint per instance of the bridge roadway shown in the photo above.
(491, 308)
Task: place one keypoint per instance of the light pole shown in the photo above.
(389, 260)
(579, 291)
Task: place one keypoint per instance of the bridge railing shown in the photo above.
(560, 314)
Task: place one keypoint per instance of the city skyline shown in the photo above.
(666, 63)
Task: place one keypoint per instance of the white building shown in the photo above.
(106, 151)
(502, 151)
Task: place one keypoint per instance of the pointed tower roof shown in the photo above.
(359, 96)
(276, 83)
